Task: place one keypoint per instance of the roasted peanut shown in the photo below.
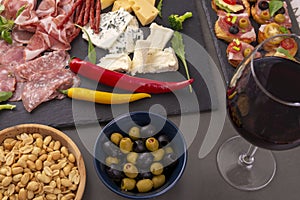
(6, 181)
(22, 194)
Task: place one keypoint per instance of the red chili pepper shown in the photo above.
(123, 81)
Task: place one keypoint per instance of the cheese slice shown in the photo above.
(159, 36)
(115, 62)
(118, 4)
(144, 11)
(106, 3)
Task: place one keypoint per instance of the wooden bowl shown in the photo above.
(57, 135)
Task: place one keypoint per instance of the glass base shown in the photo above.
(242, 176)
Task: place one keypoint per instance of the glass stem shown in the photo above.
(248, 158)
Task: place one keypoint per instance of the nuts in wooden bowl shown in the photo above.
(39, 162)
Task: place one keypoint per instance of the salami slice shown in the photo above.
(7, 79)
(41, 87)
(50, 61)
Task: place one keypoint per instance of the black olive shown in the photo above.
(145, 175)
(234, 29)
(114, 173)
(111, 149)
(148, 131)
(280, 11)
(144, 160)
(163, 140)
(139, 146)
(263, 5)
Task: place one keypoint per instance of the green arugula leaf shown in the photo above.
(274, 6)
(21, 10)
(283, 30)
(179, 48)
(159, 8)
(91, 49)
(6, 35)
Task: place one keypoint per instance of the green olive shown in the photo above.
(111, 160)
(243, 22)
(247, 52)
(156, 168)
(130, 170)
(126, 145)
(132, 157)
(116, 138)
(279, 18)
(265, 15)
(134, 133)
(158, 181)
(144, 185)
(169, 150)
(152, 144)
(158, 154)
(128, 184)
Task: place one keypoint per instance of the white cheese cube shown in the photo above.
(159, 36)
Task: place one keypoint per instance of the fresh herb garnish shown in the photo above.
(274, 6)
(285, 52)
(21, 10)
(178, 46)
(159, 8)
(91, 49)
(283, 30)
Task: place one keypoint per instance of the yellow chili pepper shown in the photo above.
(103, 97)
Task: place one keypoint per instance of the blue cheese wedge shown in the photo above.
(126, 42)
(112, 25)
(116, 62)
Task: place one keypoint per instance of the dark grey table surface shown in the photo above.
(201, 179)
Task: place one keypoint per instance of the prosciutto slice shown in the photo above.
(41, 87)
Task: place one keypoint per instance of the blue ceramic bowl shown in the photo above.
(122, 124)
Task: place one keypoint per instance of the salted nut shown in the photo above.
(38, 168)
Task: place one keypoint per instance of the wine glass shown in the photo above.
(263, 103)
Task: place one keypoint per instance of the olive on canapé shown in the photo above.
(265, 15)
(244, 22)
(280, 11)
(279, 18)
(148, 131)
(234, 29)
(263, 5)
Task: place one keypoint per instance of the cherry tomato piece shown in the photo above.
(287, 43)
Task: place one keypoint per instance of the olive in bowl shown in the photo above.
(144, 171)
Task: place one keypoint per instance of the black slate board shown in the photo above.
(221, 46)
(65, 113)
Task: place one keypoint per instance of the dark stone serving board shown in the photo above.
(221, 46)
(67, 112)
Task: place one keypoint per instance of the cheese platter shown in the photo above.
(67, 112)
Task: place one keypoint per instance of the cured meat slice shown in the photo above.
(4, 46)
(41, 87)
(47, 62)
(7, 80)
(12, 7)
(13, 57)
(17, 95)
